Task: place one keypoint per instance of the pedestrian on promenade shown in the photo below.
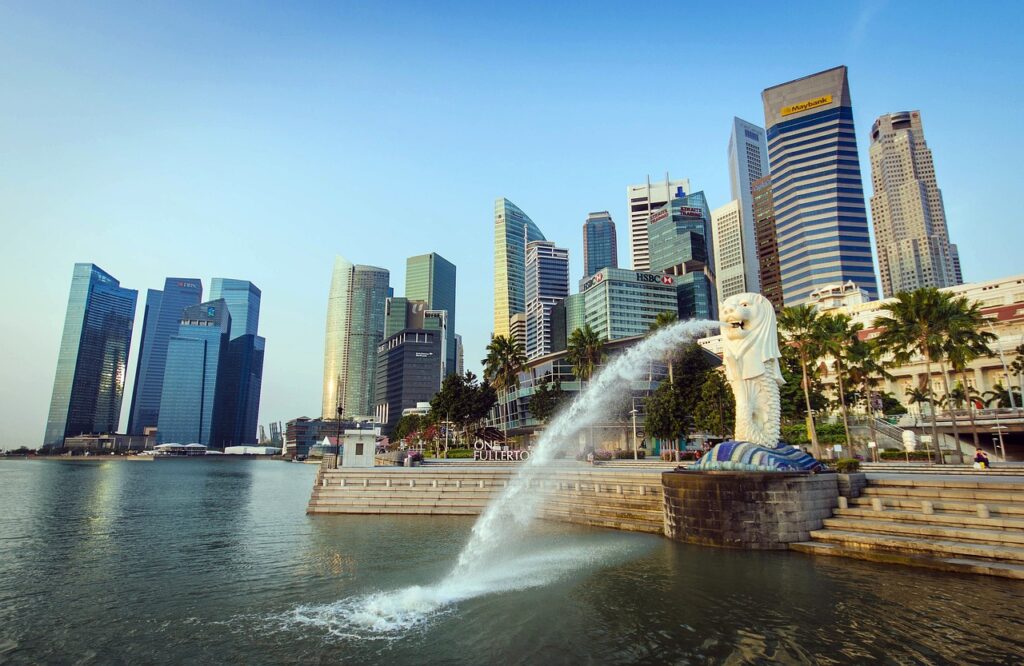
(981, 460)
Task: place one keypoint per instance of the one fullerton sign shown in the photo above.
(800, 107)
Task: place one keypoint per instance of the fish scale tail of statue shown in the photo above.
(750, 354)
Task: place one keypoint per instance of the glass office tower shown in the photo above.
(355, 326)
(600, 247)
(195, 360)
(161, 321)
(431, 278)
(244, 361)
(243, 300)
(512, 231)
(547, 283)
(89, 382)
(820, 217)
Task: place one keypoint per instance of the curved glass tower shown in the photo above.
(513, 229)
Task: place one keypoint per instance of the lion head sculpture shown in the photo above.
(750, 338)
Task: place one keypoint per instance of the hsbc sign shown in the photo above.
(597, 279)
(655, 277)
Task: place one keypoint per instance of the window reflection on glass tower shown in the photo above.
(243, 371)
(512, 231)
(89, 381)
(355, 326)
(160, 322)
(431, 278)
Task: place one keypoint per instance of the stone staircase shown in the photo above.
(895, 467)
(944, 522)
(613, 497)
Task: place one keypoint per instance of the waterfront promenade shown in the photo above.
(950, 518)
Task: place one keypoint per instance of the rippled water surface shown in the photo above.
(215, 562)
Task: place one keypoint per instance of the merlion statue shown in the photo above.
(751, 357)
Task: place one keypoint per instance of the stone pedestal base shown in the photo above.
(753, 510)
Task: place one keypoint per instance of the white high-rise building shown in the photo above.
(910, 221)
(547, 283)
(731, 256)
(642, 200)
(748, 162)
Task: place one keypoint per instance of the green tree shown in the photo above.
(835, 335)
(547, 397)
(584, 351)
(917, 395)
(799, 328)
(791, 393)
(407, 425)
(891, 404)
(999, 396)
(864, 370)
(505, 360)
(692, 365)
(716, 411)
(666, 417)
(463, 400)
(917, 325)
(966, 341)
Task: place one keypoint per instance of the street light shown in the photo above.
(633, 413)
(1006, 369)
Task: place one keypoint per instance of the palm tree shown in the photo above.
(663, 320)
(999, 396)
(965, 340)
(799, 326)
(863, 370)
(505, 360)
(835, 337)
(918, 396)
(917, 324)
(585, 350)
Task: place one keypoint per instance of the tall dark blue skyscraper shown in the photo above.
(600, 247)
(89, 382)
(820, 219)
(243, 369)
(194, 375)
(162, 318)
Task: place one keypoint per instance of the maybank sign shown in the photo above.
(806, 106)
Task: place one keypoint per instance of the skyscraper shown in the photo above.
(600, 247)
(820, 217)
(193, 376)
(643, 200)
(731, 259)
(907, 210)
(89, 381)
(243, 300)
(748, 161)
(767, 242)
(355, 326)
(161, 321)
(681, 244)
(512, 231)
(431, 278)
(408, 372)
(547, 283)
(243, 371)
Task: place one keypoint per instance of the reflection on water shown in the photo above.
(216, 562)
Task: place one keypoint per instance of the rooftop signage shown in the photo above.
(806, 106)
(690, 211)
(660, 215)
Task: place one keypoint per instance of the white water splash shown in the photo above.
(500, 555)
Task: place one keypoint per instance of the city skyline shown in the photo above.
(112, 199)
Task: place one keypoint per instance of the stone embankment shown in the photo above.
(613, 497)
(949, 522)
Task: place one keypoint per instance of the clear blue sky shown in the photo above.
(257, 140)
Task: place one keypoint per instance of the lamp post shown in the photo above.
(632, 413)
(1006, 369)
